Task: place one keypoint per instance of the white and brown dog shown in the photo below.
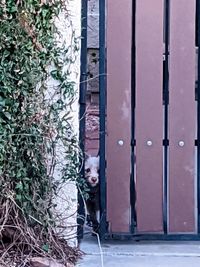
(92, 203)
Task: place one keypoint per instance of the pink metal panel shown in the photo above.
(119, 35)
(182, 116)
(149, 115)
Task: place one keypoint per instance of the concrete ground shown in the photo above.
(139, 254)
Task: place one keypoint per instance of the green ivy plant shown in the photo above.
(34, 120)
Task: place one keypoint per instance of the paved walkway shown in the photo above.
(140, 254)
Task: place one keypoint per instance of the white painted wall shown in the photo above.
(67, 197)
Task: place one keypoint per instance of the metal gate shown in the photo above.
(150, 139)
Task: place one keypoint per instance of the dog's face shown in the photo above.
(92, 171)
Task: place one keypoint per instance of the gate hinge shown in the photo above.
(105, 164)
(197, 142)
(197, 93)
(166, 142)
(133, 142)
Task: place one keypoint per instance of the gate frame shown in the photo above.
(165, 235)
(104, 234)
(82, 108)
(102, 115)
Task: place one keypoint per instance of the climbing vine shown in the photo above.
(35, 124)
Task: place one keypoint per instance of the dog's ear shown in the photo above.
(87, 156)
(98, 158)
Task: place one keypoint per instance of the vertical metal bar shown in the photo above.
(102, 114)
(166, 102)
(198, 111)
(82, 102)
(132, 183)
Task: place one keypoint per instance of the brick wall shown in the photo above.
(92, 113)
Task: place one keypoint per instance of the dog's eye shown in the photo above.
(88, 170)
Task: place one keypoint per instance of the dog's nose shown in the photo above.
(94, 179)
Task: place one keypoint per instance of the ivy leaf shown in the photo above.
(18, 197)
(7, 115)
(45, 247)
(2, 102)
(13, 9)
(19, 186)
(54, 74)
